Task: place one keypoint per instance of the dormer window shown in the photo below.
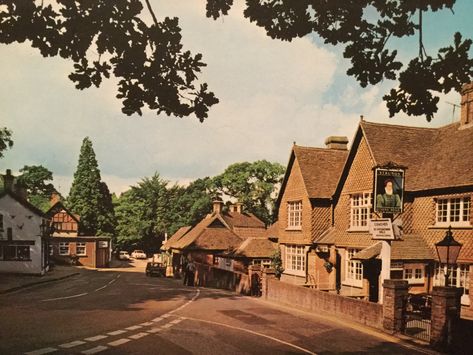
(294, 215)
(453, 212)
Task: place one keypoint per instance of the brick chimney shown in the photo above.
(466, 117)
(237, 207)
(21, 191)
(217, 206)
(337, 142)
(55, 198)
(8, 179)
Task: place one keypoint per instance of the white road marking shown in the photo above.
(154, 330)
(95, 350)
(146, 324)
(100, 288)
(65, 298)
(254, 333)
(134, 327)
(117, 332)
(41, 351)
(72, 344)
(166, 315)
(97, 337)
(138, 336)
(175, 321)
(157, 319)
(119, 342)
(112, 281)
(168, 325)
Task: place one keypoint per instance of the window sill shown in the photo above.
(294, 229)
(415, 282)
(454, 226)
(294, 272)
(358, 230)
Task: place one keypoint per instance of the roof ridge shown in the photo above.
(400, 126)
(320, 149)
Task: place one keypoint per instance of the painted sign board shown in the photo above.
(388, 190)
(382, 229)
(103, 244)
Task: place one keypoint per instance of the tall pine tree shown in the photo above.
(87, 195)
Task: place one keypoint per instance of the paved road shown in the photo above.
(121, 311)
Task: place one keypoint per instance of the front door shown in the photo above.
(373, 269)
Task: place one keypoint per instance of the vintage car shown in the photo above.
(155, 268)
(138, 254)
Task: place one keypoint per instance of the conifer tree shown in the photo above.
(86, 194)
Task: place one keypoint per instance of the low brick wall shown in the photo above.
(367, 313)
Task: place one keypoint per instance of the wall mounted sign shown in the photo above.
(388, 190)
(382, 229)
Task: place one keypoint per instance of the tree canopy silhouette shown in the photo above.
(365, 27)
(105, 38)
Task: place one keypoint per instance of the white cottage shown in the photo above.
(23, 236)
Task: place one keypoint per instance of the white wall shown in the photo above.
(25, 225)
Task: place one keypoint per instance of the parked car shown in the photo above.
(123, 255)
(153, 268)
(138, 254)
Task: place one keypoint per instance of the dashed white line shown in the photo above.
(96, 338)
(95, 350)
(100, 288)
(168, 325)
(166, 315)
(112, 281)
(41, 351)
(134, 327)
(175, 321)
(72, 344)
(146, 324)
(154, 330)
(138, 336)
(157, 319)
(65, 298)
(117, 332)
(119, 342)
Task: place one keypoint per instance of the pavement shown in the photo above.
(13, 282)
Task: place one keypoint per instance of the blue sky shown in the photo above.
(271, 94)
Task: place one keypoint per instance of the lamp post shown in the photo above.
(448, 250)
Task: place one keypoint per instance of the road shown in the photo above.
(121, 311)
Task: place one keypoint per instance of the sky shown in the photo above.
(271, 94)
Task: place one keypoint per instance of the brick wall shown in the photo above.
(370, 314)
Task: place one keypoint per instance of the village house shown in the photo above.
(68, 245)
(24, 231)
(222, 245)
(305, 212)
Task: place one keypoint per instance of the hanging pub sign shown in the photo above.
(388, 190)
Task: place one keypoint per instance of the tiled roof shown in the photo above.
(255, 248)
(244, 219)
(273, 230)
(175, 237)
(411, 247)
(320, 169)
(435, 157)
(369, 253)
(58, 207)
(23, 202)
(327, 237)
(215, 239)
(194, 232)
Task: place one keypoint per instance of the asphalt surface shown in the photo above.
(121, 311)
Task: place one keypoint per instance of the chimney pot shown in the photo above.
(337, 142)
(466, 117)
(8, 181)
(217, 206)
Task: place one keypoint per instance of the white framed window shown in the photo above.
(80, 249)
(360, 207)
(64, 248)
(453, 211)
(295, 258)
(353, 269)
(262, 262)
(15, 253)
(414, 275)
(294, 215)
(459, 276)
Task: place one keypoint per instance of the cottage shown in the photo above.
(67, 245)
(23, 233)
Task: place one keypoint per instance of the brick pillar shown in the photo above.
(445, 315)
(394, 301)
(267, 274)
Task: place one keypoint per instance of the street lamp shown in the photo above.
(447, 251)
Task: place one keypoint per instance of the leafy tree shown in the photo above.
(364, 28)
(35, 179)
(141, 213)
(253, 184)
(104, 38)
(5, 140)
(89, 197)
